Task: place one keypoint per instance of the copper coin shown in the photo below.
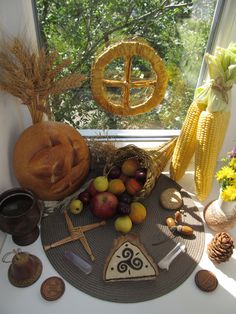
(206, 280)
(52, 288)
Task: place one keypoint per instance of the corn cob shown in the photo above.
(211, 131)
(214, 121)
(185, 146)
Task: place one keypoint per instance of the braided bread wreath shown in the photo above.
(51, 159)
(127, 51)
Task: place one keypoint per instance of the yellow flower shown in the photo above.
(234, 180)
(232, 163)
(225, 173)
(229, 193)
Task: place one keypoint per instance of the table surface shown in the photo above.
(187, 297)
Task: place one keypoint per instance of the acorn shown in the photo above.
(170, 222)
(178, 217)
(186, 230)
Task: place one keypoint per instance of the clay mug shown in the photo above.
(20, 213)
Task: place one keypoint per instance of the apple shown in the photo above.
(91, 189)
(104, 205)
(130, 166)
(133, 186)
(85, 197)
(76, 206)
(100, 183)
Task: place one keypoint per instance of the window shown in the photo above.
(178, 30)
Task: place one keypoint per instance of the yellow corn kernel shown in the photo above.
(211, 131)
(185, 146)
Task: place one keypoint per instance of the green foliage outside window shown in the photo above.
(178, 30)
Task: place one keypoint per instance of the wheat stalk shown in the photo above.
(34, 76)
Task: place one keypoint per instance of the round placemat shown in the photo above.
(153, 233)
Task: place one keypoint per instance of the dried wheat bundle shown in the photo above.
(34, 76)
(100, 152)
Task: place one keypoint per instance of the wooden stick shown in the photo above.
(76, 233)
(113, 83)
(143, 83)
(61, 242)
(90, 226)
(86, 246)
(69, 222)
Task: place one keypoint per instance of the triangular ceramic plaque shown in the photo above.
(129, 260)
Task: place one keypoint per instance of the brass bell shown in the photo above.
(24, 270)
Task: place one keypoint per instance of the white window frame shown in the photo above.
(148, 136)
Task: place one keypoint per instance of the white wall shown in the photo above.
(15, 20)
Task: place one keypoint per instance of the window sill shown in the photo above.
(141, 137)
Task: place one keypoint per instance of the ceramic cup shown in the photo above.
(20, 212)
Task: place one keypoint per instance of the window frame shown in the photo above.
(147, 135)
(227, 23)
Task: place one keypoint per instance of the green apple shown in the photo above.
(100, 183)
(123, 224)
(76, 206)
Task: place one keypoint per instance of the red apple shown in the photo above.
(133, 186)
(104, 205)
(91, 189)
(85, 197)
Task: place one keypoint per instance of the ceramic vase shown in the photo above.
(220, 215)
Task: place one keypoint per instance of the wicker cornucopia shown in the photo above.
(154, 161)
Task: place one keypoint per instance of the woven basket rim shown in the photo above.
(132, 151)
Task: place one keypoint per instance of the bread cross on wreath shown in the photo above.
(76, 233)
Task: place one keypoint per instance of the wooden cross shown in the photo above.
(76, 233)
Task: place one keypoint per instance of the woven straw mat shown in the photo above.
(153, 233)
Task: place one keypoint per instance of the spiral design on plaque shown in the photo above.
(130, 262)
(137, 263)
(127, 253)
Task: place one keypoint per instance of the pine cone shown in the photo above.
(220, 248)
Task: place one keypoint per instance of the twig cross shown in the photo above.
(76, 233)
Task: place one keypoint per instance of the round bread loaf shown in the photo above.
(171, 199)
(51, 159)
